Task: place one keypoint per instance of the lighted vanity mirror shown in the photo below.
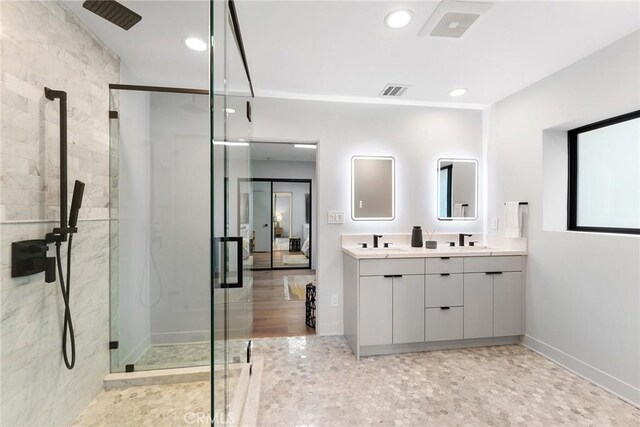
(372, 188)
(457, 189)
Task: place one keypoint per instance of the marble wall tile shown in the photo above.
(43, 44)
(62, 54)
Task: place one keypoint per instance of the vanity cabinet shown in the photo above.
(413, 304)
(493, 297)
(508, 304)
(376, 310)
(408, 309)
(391, 309)
(478, 310)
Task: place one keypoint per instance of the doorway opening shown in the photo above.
(276, 220)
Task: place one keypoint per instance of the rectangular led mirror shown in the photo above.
(372, 188)
(457, 189)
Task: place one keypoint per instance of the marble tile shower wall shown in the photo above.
(43, 44)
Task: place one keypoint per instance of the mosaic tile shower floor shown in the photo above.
(175, 356)
(317, 381)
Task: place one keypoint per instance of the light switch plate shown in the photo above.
(335, 217)
(494, 223)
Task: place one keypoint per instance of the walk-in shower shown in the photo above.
(160, 211)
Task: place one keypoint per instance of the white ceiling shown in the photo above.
(322, 49)
(154, 48)
(342, 50)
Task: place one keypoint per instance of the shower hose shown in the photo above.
(68, 324)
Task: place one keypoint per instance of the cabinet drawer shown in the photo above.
(381, 267)
(444, 290)
(492, 263)
(444, 265)
(442, 325)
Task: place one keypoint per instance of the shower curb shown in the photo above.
(159, 376)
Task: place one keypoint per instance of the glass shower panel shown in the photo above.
(231, 278)
(159, 230)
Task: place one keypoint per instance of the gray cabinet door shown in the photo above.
(478, 305)
(376, 308)
(508, 307)
(408, 309)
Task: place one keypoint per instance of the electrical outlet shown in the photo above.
(494, 223)
(334, 300)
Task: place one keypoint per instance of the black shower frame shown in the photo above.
(271, 181)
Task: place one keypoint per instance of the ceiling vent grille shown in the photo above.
(452, 19)
(394, 90)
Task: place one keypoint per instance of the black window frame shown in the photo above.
(572, 199)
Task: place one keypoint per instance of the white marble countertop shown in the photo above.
(358, 252)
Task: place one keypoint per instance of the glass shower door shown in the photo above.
(232, 281)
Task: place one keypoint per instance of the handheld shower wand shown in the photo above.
(68, 331)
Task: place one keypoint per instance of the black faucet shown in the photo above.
(461, 238)
(375, 240)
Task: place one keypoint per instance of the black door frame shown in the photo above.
(271, 181)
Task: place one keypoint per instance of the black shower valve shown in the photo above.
(30, 257)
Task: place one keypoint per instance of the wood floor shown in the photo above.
(263, 259)
(274, 316)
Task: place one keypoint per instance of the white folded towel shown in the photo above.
(458, 210)
(512, 220)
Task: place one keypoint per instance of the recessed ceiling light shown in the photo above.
(398, 18)
(230, 110)
(195, 44)
(458, 92)
(311, 146)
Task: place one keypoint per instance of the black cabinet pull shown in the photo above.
(389, 276)
(445, 257)
(444, 274)
(445, 308)
(494, 272)
(397, 276)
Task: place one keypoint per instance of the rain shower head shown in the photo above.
(113, 12)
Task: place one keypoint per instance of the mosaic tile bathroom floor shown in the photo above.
(317, 381)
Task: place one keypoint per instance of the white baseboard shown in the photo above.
(621, 389)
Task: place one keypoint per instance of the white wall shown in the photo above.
(43, 44)
(583, 289)
(133, 322)
(416, 136)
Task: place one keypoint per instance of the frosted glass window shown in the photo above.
(605, 176)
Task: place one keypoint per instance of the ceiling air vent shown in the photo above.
(453, 18)
(394, 90)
